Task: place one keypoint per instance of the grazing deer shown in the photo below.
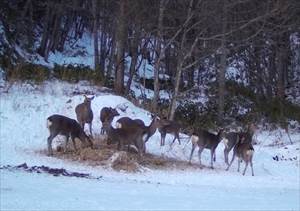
(205, 139)
(232, 138)
(168, 126)
(123, 137)
(58, 124)
(84, 113)
(106, 114)
(126, 122)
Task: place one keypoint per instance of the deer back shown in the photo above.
(168, 126)
(128, 123)
(207, 139)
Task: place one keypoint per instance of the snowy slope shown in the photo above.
(23, 112)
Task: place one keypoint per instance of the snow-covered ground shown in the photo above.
(23, 113)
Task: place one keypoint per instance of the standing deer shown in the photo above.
(106, 114)
(122, 136)
(58, 124)
(84, 113)
(230, 141)
(126, 122)
(168, 126)
(205, 139)
(244, 151)
(232, 138)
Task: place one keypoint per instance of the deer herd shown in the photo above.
(134, 132)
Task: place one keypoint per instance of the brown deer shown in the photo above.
(106, 114)
(58, 124)
(168, 126)
(129, 136)
(230, 141)
(126, 122)
(244, 151)
(84, 113)
(232, 138)
(205, 139)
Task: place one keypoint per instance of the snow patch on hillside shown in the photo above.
(25, 108)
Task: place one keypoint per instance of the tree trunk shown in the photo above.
(180, 59)
(46, 32)
(222, 68)
(96, 35)
(120, 45)
(158, 55)
(111, 59)
(134, 58)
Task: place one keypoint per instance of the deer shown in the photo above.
(232, 138)
(126, 122)
(62, 125)
(230, 141)
(205, 139)
(84, 113)
(107, 113)
(168, 126)
(244, 151)
(129, 136)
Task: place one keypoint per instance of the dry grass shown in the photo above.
(109, 157)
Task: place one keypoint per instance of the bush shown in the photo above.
(195, 115)
(28, 72)
(75, 73)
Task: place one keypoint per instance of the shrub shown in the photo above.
(29, 72)
(75, 73)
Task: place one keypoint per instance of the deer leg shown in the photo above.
(91, 129)
(91, 144)
(140, 146)
(215, 155)
(239, 163)
(81, 124)
(226, 152)
(230, 162)
(212, 152)
(247, 162)
(199, 155)
(49, 141)
(251, 164)
(74, 144)
(66, 144)
(173, 140)
(177, 136)
(162, 140)
(191, 155)
(147, 138)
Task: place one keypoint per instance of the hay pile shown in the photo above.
(108, 156)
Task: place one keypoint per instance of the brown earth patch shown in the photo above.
(108, 156)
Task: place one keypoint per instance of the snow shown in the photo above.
(82, 194)
(24, 109)
(85, 44)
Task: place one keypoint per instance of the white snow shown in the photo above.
(24, 109)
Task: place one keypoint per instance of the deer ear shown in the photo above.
(92, 97)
